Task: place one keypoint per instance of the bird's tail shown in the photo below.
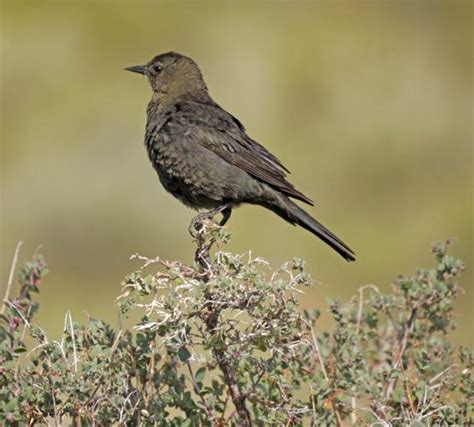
(291, 212)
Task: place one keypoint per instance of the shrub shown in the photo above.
(223, 342)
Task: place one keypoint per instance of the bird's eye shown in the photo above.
(157, 68)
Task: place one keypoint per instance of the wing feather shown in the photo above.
(223, 134)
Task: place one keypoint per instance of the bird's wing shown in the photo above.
(220, 132)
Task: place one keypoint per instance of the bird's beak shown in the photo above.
(140, 69)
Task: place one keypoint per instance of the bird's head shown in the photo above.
(172, 74)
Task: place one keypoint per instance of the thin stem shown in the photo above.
(321, 362)
(402, 347)
(209, 412)
(10, 276)
(68, 314)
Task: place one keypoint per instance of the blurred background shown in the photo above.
(369, 104)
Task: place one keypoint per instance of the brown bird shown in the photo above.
(204, 156)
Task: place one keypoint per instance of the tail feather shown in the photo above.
(292, 213)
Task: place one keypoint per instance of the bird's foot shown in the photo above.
(197, 229)
(198, 222)
(226, 211)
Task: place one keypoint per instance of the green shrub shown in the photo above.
(224, 343)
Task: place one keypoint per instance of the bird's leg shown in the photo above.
(226, 212)
(198, 220)
(224, 209)
(196, 228)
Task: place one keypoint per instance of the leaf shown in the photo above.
(200, 373)
(184, 354)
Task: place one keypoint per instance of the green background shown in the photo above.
(369, 104)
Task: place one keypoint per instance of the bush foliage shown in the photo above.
(223, 342)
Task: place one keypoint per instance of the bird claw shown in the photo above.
(198, 225)
(198, 222)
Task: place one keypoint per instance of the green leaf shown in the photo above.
(184, 354)
(200, 373)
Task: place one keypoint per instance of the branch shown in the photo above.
(402, 347)
(197, 229)
(209, 411)
(10, 276)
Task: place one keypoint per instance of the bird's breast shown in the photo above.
(181, 167)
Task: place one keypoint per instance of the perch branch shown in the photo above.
(203, 258)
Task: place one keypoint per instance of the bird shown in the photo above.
(204, 156)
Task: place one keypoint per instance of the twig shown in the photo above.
(359, 320)
(128, 399)
(12, 305)
(361, 303)
(208, 409)
(115, 345)
(318, 353)
(57, 420)
(68, 315)
(402, 347)
(221, 420)
(23, 333)
(10, 276)
(321, 362)
(238, 398)
(313, 408)
(434, 411)
(432, 380)
(353, 410)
